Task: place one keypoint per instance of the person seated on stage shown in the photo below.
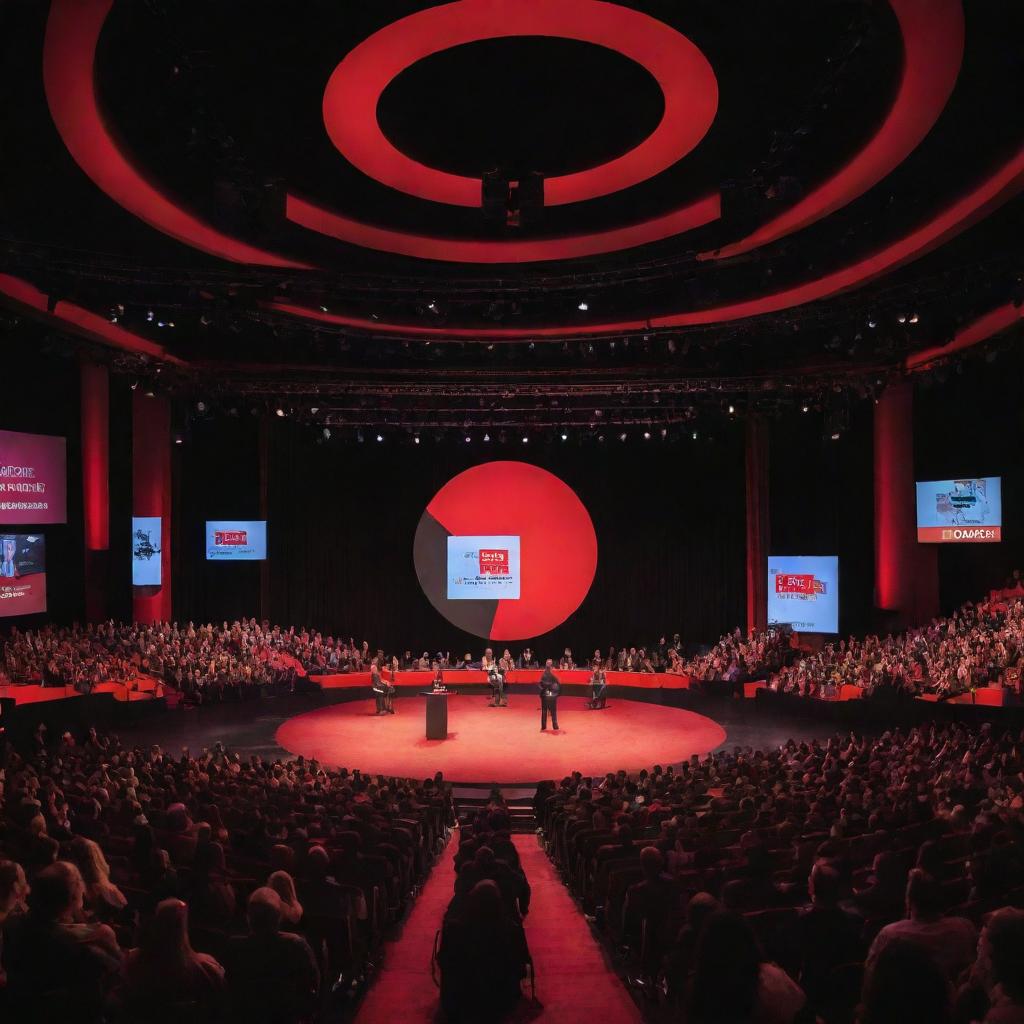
(506, 662)
(423, 664)
(598, 686)
(527, 659)
(565, 663)
(495, 679)
(467, 661)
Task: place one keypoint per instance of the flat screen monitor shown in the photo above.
(968, 510)
(33, 479)
(22, 574)
(803, 592)
(146, 551)
(236, 540)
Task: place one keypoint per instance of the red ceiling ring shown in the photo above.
(998, 188)
(354, 89)
(527, 250)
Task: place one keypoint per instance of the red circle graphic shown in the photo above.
(686, 78)
(550, 528)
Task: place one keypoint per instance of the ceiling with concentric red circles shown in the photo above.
(735, 190)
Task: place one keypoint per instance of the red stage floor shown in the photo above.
(500, 744)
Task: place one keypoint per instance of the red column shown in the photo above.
(95, 408)
(151, 496)
(906, 573)
(758, 523)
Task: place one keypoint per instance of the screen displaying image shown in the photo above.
(146, 541)
(483, 568)
(33, 478)
(22, 574)
(236, 540)
(964, 511)
(803, 592)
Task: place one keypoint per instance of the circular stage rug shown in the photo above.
(499, 744)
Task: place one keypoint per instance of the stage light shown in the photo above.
(380, 437)
(179, 440)
(160, 323)
(565, 437)
(526, 440)
(901, 319)
(664, 433)
(647, 435)
(149, 315)
(323, 309)
(432, 305)
(914, 318)
(359, 436)
(600, 438)
(415, 438)
(327, 433)
(201, 406)
(872, 322)
(695, 435)
(583, 306)
(487, 437)
(805, 408)
(622, 436)
(732, 409)
(279, 411)
(835, 436)
(468, 439)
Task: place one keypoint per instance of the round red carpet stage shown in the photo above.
(500, 744)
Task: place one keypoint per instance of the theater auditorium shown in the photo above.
(511, 510)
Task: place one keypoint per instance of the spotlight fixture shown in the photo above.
(732, 410)
(526, 439)
(835, 435)
(914, 318)
(201, 406)
(583, 305)
(359, 437)
(468, 439)
(664, 433)
(622, 436)
(487, 437)
(279, 411)
(327, 433)
(647, 435)
(323, 309)
(380, 437)
(872, 322)
(901, 319)
(805, 408)
(432, 305)
(415, 438)
(149, 315)
(695, 435)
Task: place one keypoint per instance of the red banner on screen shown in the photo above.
(33, 478)
(231, 538)
(798, 583)
(494, 562)
(24, 596)
(960, 534)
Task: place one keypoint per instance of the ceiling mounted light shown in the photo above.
(583, 306)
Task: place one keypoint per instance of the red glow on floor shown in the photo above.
(500, 744)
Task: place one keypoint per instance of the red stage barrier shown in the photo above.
(453, 677)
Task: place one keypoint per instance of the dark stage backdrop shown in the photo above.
(822, 503)
(342, 517)
(971, 423)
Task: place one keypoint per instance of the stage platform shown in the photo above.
(501, 745)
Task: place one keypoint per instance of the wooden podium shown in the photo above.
(437, 715)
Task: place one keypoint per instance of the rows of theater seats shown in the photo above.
(346, 852)
(650, 858)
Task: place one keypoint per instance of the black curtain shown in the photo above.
(668, 517)
(822, 503)
(969, 421)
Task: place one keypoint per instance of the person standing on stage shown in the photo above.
(378, 687)
(438, 683)
(598, 686)
(549, 690)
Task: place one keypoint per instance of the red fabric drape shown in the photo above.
(95, 411)
(151, 496)
(906, 573)
(758, 523)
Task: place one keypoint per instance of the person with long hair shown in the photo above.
(904, 985)
(166, 969)
(102, 897)
(291, 909)
(733, 982)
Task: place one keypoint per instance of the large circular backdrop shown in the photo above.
(505, 551)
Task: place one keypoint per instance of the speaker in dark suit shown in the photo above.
(549, 690)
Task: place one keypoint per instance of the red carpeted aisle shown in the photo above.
(574, 983)
(500, 744)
